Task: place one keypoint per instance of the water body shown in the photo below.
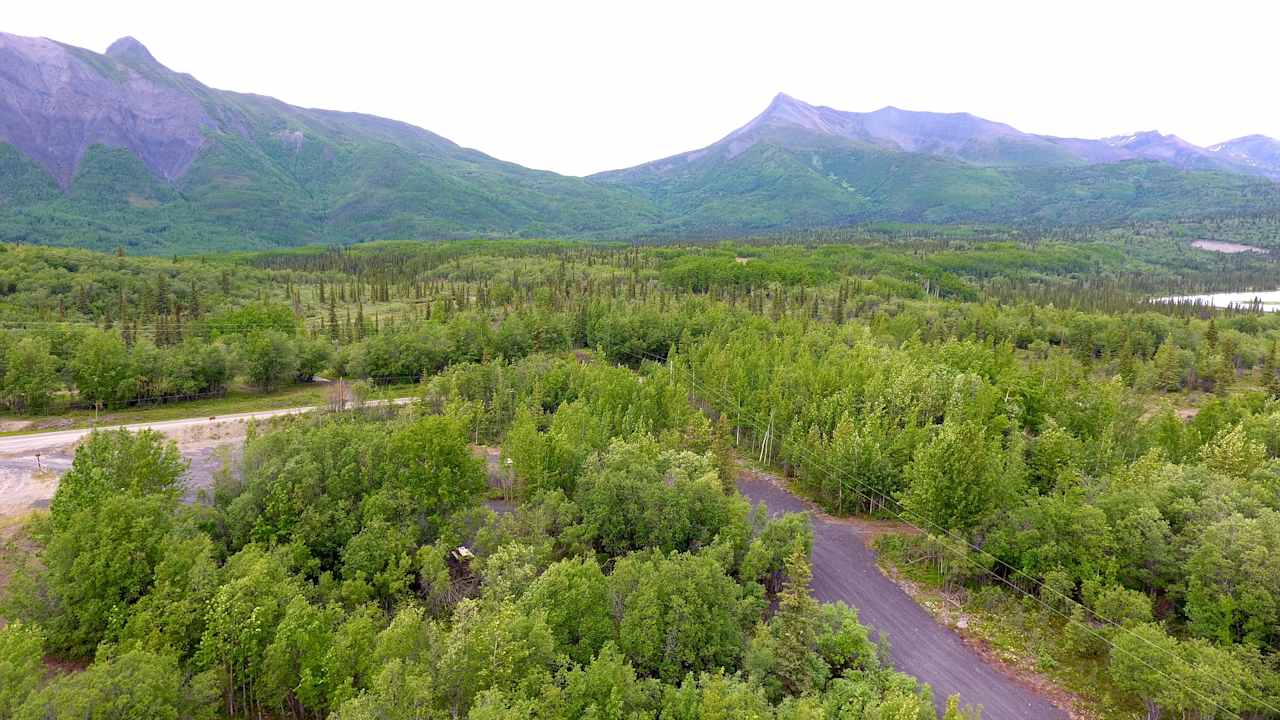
(1229, 248)
(1267, 301)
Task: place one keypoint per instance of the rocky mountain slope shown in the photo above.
(116, 150)
(799, 164)
(1254, 151)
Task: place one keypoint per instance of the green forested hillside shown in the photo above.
(237, 196)
(793, 183)
(190, 168)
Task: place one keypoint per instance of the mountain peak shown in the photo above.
(783, 103)
(786, 111)
(1254, 138)
(128, 49)
(1257, 152)
(1141, 136)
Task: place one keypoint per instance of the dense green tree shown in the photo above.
(400, 355)
(955, 480)
(101, 563)
(843, 643)
(111, 462)
(491, 648)
(573, 595)
(169, 619)
(377, 563)
(21, 665)
(679, 614)
(31, 374)
(783, 656)
(767, 555)
(270, 359)
(716, 697)
(432, 470)
(102, 369)
(639, 497)
(349, 662)
(241, 622)
(1169, 373)
(1234, 454)
(313, 355)
(322, 482)
(293, 672)
(137, 684)
(864, 454)
(403, 686)
(795, 629)
(1145, 662)
(605, 688)
(1233, 580)
(1060, 531)
(1142, 546)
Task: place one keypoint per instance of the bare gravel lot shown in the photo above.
(30, 465)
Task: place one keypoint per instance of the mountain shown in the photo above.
(1255, 151)
(1171, 149)
(115, 149)
(802, 165)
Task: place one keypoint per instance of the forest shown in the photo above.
(1052, 445)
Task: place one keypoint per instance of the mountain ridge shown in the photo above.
(798, 165)
(117, 150)
(967, 137)
(142, 156)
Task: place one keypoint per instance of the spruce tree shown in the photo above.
(1270, 381)
(795, 627)
(1168, 364)
(333, 318)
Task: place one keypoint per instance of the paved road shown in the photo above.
(845, 569)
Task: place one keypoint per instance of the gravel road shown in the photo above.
(31, 464)
(844, 569)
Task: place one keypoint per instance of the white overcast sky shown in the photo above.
(579, 87)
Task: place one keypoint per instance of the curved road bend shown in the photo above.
(844, 569)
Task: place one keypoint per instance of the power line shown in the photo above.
(756, 425)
